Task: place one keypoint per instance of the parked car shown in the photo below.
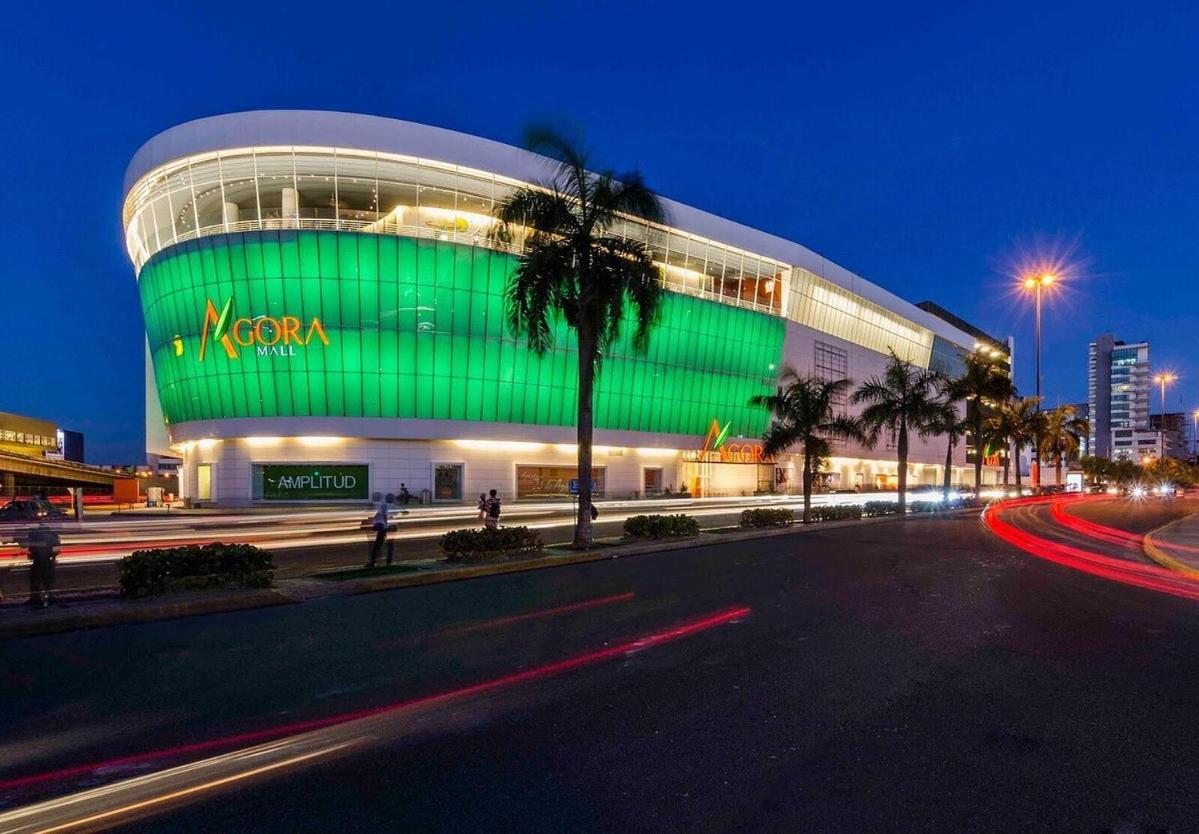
(29, 509)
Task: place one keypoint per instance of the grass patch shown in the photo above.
(568, 549)
(363, 573)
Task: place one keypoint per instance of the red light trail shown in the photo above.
(1147, 576)
(677, 632)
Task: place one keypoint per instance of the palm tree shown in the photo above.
(899, 402)
(1014, 425)
(802, 408)
(575, 265)
(1063, 432)
(982, 385)
(997, 433)
(948, 421)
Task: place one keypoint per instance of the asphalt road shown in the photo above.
(419, 541)
(898, 676)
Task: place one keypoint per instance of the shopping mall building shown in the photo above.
(325, 321)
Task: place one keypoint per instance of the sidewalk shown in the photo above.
(1176, 545)
(98, 609)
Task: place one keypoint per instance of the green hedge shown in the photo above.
(763, 517)
(476, 544)
(875, 508)
(836, 512)
(145, 573)
(924, 506)
(660, 526)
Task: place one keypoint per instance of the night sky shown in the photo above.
(932, 152)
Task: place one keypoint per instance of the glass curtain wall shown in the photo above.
(340, 190)
(283, 188)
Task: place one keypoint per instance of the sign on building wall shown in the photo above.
(311, 482)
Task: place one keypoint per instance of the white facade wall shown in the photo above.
(393, 463)
(799, 352)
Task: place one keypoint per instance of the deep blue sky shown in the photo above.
(927, 150)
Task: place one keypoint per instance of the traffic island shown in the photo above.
(100, 610)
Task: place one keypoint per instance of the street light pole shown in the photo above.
(1036, 284)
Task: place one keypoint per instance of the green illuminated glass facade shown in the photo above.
(416, 330)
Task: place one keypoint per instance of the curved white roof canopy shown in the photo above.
(375, 133)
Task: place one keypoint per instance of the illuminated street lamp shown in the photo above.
(1194, 429)
(1164, 379)
(1036, 283)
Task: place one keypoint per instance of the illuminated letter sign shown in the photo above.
(268, 336)
(314, 482)
(717, 450)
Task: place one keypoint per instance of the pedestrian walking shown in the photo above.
(494, 507)
(43, 546)
(482, 507)
(380, 525)
(405, 496)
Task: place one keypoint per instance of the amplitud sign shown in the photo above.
(314, 481)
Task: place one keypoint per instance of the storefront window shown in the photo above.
(447, 482)
(553, 481)
(204, 482)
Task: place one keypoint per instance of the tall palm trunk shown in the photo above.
(1058, 466)
(903, 465)
(948, 465)
(978, 449)
(1019, 491)
(1007, 465)
(587, 349)
(807, 485)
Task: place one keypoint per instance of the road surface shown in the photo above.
(306, 541)
(903, 675)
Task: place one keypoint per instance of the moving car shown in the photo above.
(29, 509)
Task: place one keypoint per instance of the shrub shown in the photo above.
(763, 517)
(875, 508)
(145, 573)
(474, 544)
(836, 512)
(660, 526)
(936, 506)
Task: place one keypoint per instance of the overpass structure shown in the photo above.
(34, 471)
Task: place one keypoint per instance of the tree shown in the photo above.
(948, 421)
(802, 410)
(1095, 469)
(983, 385)
(1063, 431)
(1014, 425)
(574, 264)
(899, 402)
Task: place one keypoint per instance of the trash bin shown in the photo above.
(426, 497)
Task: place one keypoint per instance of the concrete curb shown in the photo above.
(142, 611)
(1155, 552)
(641, 548)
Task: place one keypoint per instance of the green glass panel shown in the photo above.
(417, 329)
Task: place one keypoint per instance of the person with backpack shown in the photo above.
(43, 546)
(494, 507)
(380, 525)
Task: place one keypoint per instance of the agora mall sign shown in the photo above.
(267, 335)
(716, 449)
